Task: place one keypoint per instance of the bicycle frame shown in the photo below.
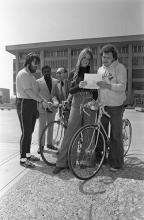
(99, 127)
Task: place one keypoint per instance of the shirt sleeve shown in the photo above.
(121, 77)
(26, 82)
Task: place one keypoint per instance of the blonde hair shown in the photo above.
(80, 57)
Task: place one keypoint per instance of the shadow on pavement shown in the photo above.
(44, 168)
(133, 171)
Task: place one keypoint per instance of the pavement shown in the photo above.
(38, 194)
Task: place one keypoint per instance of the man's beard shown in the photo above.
(31, 69)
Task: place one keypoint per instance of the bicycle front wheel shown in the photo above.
(126, 135)
(50, 141)
(83, 150)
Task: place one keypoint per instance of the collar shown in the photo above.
(113, 65)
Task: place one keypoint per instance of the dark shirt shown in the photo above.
(48, 81)
(75, 84)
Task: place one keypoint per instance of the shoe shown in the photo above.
(27, 164)
(58, 170)
(114, 169)
(39, 149)
(33, 158)
(50, 146)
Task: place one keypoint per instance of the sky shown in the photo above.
(34, 21)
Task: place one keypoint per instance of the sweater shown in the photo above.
(115, 75)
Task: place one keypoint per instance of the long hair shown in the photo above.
(80, 57)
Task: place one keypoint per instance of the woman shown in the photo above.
(80, 96)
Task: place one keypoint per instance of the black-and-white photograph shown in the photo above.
(72, 110)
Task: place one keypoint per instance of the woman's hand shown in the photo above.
(82, 84)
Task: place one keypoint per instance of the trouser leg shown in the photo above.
(88, 137)
(116, 152)
(26, 110)
(42, 124)
(99, 148)
(50, 118)
(74, 124)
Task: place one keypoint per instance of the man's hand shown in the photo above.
(104, 85)
(46, 105)
(55, 102)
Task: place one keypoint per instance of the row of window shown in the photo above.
(138, 49)
(139, 60)
(136, 61)
(56, 63)
(58, 53)
(76, 52)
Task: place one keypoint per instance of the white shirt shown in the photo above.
(24, 81)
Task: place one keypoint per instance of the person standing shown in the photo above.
(79, 96)
(49, 90)
(27, 98)
(63, 84)
(112, 96)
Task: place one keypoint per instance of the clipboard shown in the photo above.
(92, 79)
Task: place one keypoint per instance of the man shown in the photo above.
(49, 90)
(63, 84)
(112, 96)
(27, 98)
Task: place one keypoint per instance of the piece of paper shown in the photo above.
(92, 79)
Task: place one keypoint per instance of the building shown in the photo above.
(65, 53)
(4, 95)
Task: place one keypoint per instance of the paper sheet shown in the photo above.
(92, 79)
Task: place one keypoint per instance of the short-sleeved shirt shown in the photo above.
(25, 81)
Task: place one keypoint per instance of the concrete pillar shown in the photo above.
(129, 79)
(69, 60)
(98, 57)
(41, 58)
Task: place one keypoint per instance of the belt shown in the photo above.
(83, 93)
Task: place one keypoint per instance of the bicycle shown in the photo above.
(49, 155)
(82, 151)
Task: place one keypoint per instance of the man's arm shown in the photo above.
(121, 77)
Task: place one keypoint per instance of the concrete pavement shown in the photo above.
(37, 194)
(10, 170)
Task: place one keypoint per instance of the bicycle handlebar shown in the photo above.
(100, 108)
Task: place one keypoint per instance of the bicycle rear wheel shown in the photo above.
(82, 153)
(127, 135)
(49, 147)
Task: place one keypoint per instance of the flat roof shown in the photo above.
(13, 49)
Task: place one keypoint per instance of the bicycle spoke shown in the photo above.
(50, 141)
(82, 155)
(126, 135)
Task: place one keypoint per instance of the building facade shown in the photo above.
(65, 53)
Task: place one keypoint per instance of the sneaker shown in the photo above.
(33, 158)
(114, 169)
(51, 147)
(58, 170)
(27, 164)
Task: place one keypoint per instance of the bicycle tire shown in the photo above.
(77, 154)
(127, 135)
(48, 155)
